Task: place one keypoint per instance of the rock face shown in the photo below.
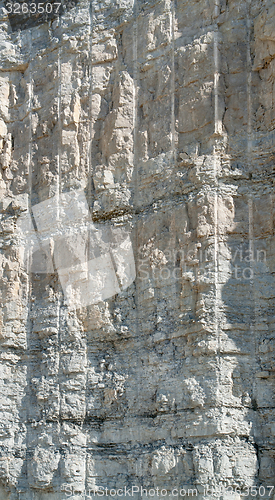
(162, 112)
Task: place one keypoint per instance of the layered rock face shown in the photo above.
(162, 113)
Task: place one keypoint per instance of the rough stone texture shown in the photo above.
(163, 110)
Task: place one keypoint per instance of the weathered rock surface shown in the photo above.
(163, 111)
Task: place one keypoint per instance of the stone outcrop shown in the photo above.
(162, 112)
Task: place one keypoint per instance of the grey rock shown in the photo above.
(162, 113)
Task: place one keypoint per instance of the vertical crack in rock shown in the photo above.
(216, 165)
(29, 256)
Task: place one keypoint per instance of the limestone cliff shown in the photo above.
(162, 112)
